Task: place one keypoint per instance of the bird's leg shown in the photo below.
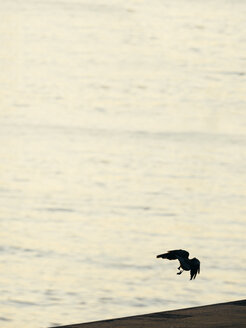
(180, 271)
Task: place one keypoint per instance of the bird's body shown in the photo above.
(192, 265)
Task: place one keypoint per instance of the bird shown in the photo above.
(192, 265)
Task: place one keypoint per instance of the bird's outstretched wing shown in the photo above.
(174, 254)
(194, 268)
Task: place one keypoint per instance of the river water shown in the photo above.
(123, 135)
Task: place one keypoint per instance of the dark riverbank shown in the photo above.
(226, 315)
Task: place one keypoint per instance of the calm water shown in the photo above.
(123, 135)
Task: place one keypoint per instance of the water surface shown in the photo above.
(122, 136)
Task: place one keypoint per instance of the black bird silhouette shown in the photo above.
(186, 264)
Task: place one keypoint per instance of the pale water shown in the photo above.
(123, 135)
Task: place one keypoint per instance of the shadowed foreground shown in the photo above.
(226, 315)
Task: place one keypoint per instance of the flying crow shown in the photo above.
(186, 264)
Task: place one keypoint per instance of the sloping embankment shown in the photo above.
(226, 315)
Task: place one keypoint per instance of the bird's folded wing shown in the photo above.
(194, 268)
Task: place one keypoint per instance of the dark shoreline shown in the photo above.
(226, 315)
